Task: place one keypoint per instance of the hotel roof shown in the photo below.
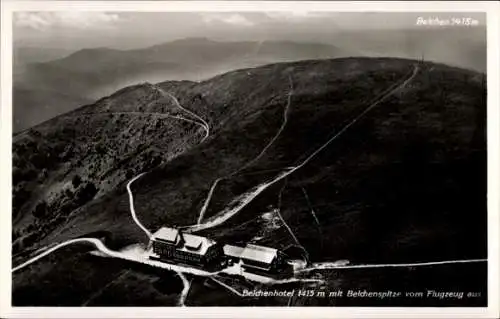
(167, 234)
(196, 244)
(233, 251)
(192, 243)
(259, 253)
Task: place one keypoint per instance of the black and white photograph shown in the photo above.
(262, 158)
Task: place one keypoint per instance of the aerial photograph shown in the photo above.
(249, 158)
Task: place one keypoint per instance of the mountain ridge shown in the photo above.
(92, 73)
(405, 183)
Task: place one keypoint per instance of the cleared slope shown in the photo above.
(423, 148)
(405, 184)
(64, 163)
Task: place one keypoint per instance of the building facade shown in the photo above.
(172, 245)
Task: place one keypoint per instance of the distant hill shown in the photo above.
(50, 88)
(405, 183)
(91, 73)
(25, 55)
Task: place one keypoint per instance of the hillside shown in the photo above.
(404, 183)
(63, 163)
(92, 73)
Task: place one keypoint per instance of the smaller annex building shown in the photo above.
(233, 253)
(172, 245)
(265, 261)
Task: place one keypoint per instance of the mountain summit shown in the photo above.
(370, 160)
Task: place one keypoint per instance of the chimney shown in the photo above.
(181, 236)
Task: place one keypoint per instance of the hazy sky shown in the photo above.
(123, 30)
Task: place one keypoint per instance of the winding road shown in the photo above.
(248, 164)
(236, 206)
(244, 199)
(176, 101)
(180, 270)
(94, 241)
(159, 115)
(278, 212)
(333, 265)
(142, 257)
(203, 124)
(132, 209)
(99, 245)
(185, 290)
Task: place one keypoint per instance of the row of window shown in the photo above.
(171, 251)
(163, 251)
(167, 251)
(191, 258)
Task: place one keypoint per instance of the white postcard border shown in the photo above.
(491, 7)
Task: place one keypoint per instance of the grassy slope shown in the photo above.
(103, 149)
(406, 183)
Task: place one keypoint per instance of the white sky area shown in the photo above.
(125, 30)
